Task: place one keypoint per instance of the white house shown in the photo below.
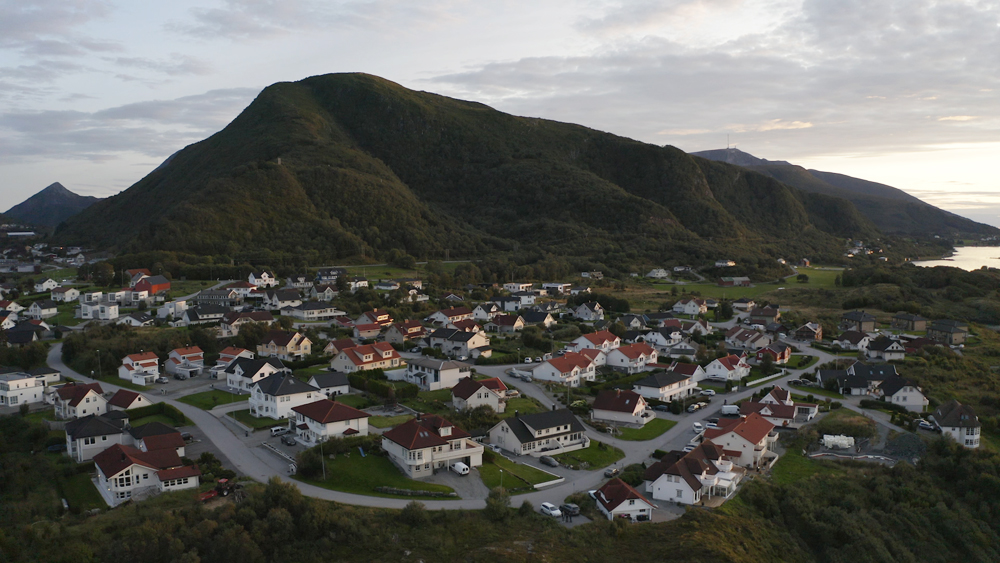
(65, 294)
(92, 434)
(688, 477)
(140, 369)
(445, 317)
(485, 312)
(380, 355)
(431, 374)
(427, 444)
(282, 298)
(186, 362)
(469, 394)
(729, 368)
(123, 400)
(543, 433)
(904, 393)
(852, 340)
(739, 337)
(262, 279)
(590, 311)
(746, 440)
(136, 319)
(885, 349)
(321, 420)
(18, 389)
(617, 499)
(666, 337)
(515, 287)
(632, 358)
(621, 406)
(556, 288)
(331, 383)
(569, 369)
(665, 386)
(601, 340)
(285, 345)
(43, 309)
(75, 400)
(276, 395)
(658, 273)
(959, 422)
(46, 285)
(312, 311)
(101, 310)
(724, 263)
(694, 371)
(125, 472)
(778, 408)
(691, 307)
(243, 373)
(459, 343)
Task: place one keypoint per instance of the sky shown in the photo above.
(96, 93)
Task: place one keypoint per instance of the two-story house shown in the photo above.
(745, 441)
(543, 433)
(185, 362)
(377, 316)
(632, 358)
(688, 477)
(885, 349)
(618, 499)
(469, 393)
(262, 279)
(729, 368)
(125, 472)
(65, 294)
(959, 422)
(243, 373)
(43, 309)
(460, 344)
(20, 388)
(904, 393)
(141, 369)
(380, 355)
(276, 395)
(231, 322)
(429, 443)
(445, 317)
(601, 340)
(406, 331)
(690, 307)
(321, 420)
(665, 386)
(857, 320)
(572, 368)
(621, 407)
(778, 408)
(285, 345)
(75, 400)
(590, 312)
(431, 374)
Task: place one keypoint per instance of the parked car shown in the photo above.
(279, 431)
(526, 378)
(162, 380)
(415, 350)
(288, 440)
(693, 408)
(921, 423)
(550, 509)
(688, 448)
(570, 508)
(494, 447)
(708, 393)
(796, 382)
(56, 448)
(713, 420)
(662, 408)
(702, 404)
(527, 360)
(549, 460)
(698, 427)
(460, 468)
(611, 472)
(186, 436)
(711, 425)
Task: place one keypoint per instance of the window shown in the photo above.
(89, 441)
(631, 501)
(680, 494)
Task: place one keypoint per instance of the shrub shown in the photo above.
(526, 509)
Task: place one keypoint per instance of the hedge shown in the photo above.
(870, 404)
(166, 410)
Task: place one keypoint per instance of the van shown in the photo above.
(460, 468)
(730, 410)
(279, 431)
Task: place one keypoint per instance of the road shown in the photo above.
(243, 452)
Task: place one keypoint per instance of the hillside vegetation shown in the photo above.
(351, 165)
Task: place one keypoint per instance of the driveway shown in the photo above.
(467, 486)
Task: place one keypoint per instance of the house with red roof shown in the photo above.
(746, 441)
(285, 345)
(688, 477)
(380, 355)
(469, 394)
(445, 317)
(324, 419)
(601, 340)
(142, 368)
(400, 333)
(466, 325)
(621, 406)
(367, 331)
(728, 368)
(376, 316)
(123, 400)
(79, 399)
(427, 444)
(618, 499)
(186, 362)
(569, 369)
(632, 358)
(334, 347)
(778, 408)
(152, 285)
(126, 472)
(135, 275)
(779, 351)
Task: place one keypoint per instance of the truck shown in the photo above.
(730, 410)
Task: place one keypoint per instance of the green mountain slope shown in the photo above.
(340, 165)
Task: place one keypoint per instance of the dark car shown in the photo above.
(570, 509)
(549, 460)
(288, 440)
(56, 448)
(662, 408)
(712, 420)
(611, 472)
(186, 436)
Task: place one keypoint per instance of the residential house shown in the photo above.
(380, 355)
(707, 471)
(744, 304)
(469, 394)
(104, 310)
(43, 309)
(505, 324)
(745, 441)
(311, 311)
(19, 388)
(11, 306)
(515, 287)
(329, 275)
(885, 349)
(136, 275)
(690, 307)
(779, 352)
(430, 374)
(285, 345)
(592, 275)
(453, 297)
(809, 332)
(664, 338)
(356, 283)
(904, 393)
(185, 362)
(852, 340)
(243, 373)
(276, 395)
(460, 344)
(141, 369)
(321, 420)
(694, 371)
(658, 273)
(92, 434)
(908, 322)
(746, 339)
(857, 320)
(277, 299)
(948, 332)
(324, 292)
(125, 472)
(778, 408)
(633, 322)
(527, 298)
(300, 281)
(377, 316)
(543, 433)
(697, 327)
(485, 311)
(172, 309)
(555, 288)
(406, 331)
(445, 317)
(734, 281)
(858, 378)
(47, 284)
(427, 444)
(331, 383)
(262, 279)
(136, 319)
(665, 386)
(367, 331)
(729, 368)
(65, 294)
(632, 358)
(203, 313)
(617, 499)
(590, 311)
(152, 285)
(621, 407)
(75, 400)
(577, 290)
(570, 369)
(123, 400)
(724, 264)
(764, 316)
(334, 347)
(7, 320)
(387, 285)
(231, 322)
(959, 422)
(243, 289)
(223, 297)
(601, 340)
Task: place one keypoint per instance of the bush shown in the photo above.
(169, 411)
(497, 505)
(526, 509)
(870, 404)
(657, 454)
(414, 514)
(835, 405)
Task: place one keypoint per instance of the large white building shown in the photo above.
(126, 472)
(959, 422)
(431, 374)
(19, 388)
(422, 446)
(321, 420)
(243, 373)
(276, 395)
(687, 477)
(141, 369)
(665, 386)
(569, 369)
(543, 433)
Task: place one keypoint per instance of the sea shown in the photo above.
(968, 258)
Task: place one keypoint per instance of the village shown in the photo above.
(533, 387)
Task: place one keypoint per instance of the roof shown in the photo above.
(280, 337)
(662, 379)
(633, 351)
(415, 434)
(882, 343)
(280, 384)
(617, 400)
(46, 304)
(170, 441)
(440, 365)
(688, 465)
(753, 429)
(151, 429)
(615, 492)
(568, 361)
(878, 372)
(248, 316)
(124, 398)
(118, 458)
(358, 353)
(455, 312)
(251, 366)
(956, 415)
(189, 351)
(908, 317)
(893, 385)
(75, 392)
(367, 327)
(92, 425)
(852, 336)
(600, 337)
(326, 411)
(506, 320)
(493, 384)
(730, 362)
(466, 387)
(328, 379)
(539, 421)
(686, 369)
(178, 472)
(142, 357)
(858, 316)
(232, 351)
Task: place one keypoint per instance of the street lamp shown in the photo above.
(501, 480)
(99, 364)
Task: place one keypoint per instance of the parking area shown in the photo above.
(201, 444)
(467, 486)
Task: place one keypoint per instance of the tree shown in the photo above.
(103, 273)
(767, 363)
(498, 505)
(617, 328)
(526, 509)
(414, 514)
(802, 278)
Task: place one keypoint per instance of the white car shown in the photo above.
(550, 509)
(708, 392)
(527, 360)
(688, 448)
(494, 447)
(698, 427)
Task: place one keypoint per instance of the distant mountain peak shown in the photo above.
(738, 157)
(50, 206)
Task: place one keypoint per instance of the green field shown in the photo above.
(597, 455)
(795, 362)
(714, 291)
(818, 391)
(356, 401)
(523, 405)
(430, 402)
(39, 416)
(159, 418)
(652, 429)
(360, 475)
(255, 423)
(187, 287)
(388, 421)
(793, 466)
(80, 493)
(65, 316)
(210, 399)
(515, 475)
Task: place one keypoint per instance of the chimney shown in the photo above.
(418, 416)
(517, 414)
(553, 407)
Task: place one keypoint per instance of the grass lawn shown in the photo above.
(38, 416)
(651, 430)
(430, 402)
(187, 287)
(305, 373)
(65, 316)
(210, 399)
(388, 421)
(356, 401)
(516, 475)
(157, 418)
(360, 475)
(255, 423)
(817, 391)
(794, 466)
(598, 455)
(796, 361)
(80, 492)
(714, 291)
(523, 405)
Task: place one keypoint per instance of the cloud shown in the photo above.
(958, 118)
(178, 65)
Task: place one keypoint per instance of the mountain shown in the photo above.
(49, 207)
(892, 210)
(343, 165)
